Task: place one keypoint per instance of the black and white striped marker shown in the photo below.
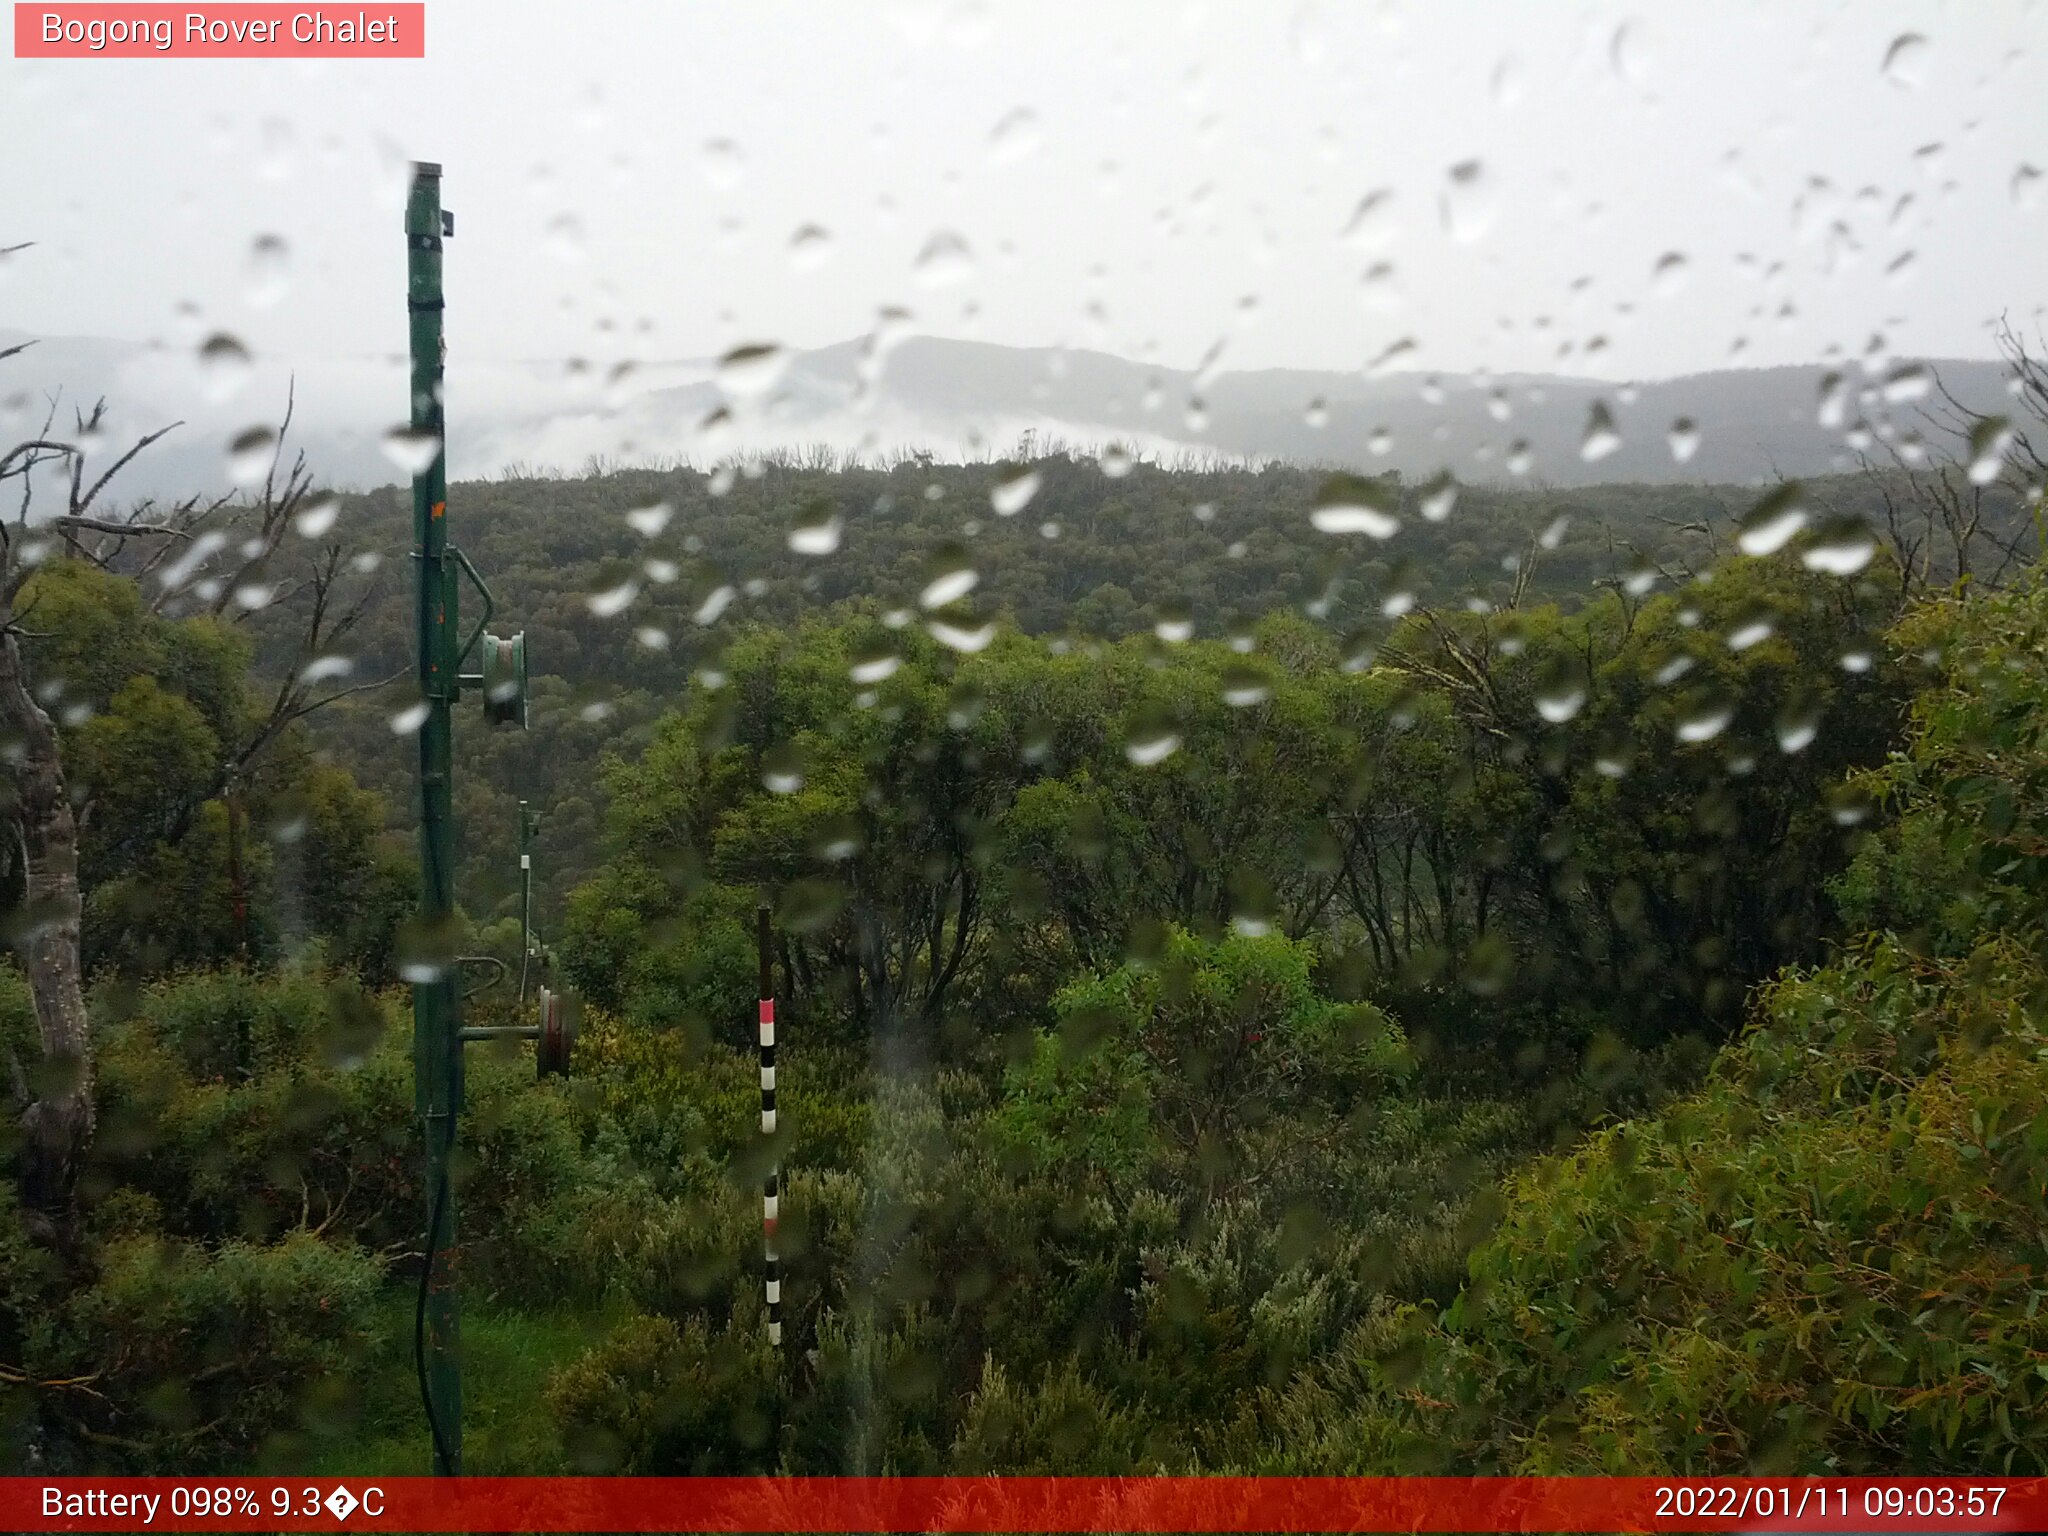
(770, 1190)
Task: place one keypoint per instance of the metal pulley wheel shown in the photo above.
(504, 668)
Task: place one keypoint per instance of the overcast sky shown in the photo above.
(1171, 176)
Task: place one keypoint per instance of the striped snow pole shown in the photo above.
(770, 1190)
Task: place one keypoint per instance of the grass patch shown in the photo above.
(507, 1357)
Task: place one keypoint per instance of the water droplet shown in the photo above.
(1152, 747)
(1840, 547)
(1834, 400)
(752, 368)
(874, 665)
(1176, 623)
(1507, 87)
(958, 637)
(1355, 504)
(1798, 723)
(1244, 687)
(409, 719)
(809, 247)
(1553, 535)
(1672, 670)
(1628, 54)
(613, 601)
(1520, 456)
(564, 234)
(1668, 275)
(715, 604)
(1600, 437)
(224, 366)
(1468, 201)
(1016, 136)
(1012, 494)
(318, 516)
(1771, 523)
(949, 579)
(412, 451)
(723, 165)
(1115, 460)
(1752, 628)
(269, 270)
(1907, 382)
(649, 520)
(1684, 438)
(1372, 222)
(1905, 61)
(2026, 186)
(1561, 692)
(1318, 413)
(820, 536)
(1990, 439)
(1848, 804)
(782, 770)
(650, 637)
(1439, 496)
(945, 259)
(1704, 719)
(251, 455)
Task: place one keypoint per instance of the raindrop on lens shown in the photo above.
(1014, 136)
(782, 770)
(412, 451)
(1600, 437)
(1905, 61)
(224, 366)
(944, 260)
(809, 247)
(318, 516)
(269, 270)
(1468, 201)
(1684, 438)
(1840, 547)
(1770, 525)
(1439, 496)
(1355, 504)
(1990, 438)
(649, 520)
(614, 600)
(1013, 493)
(250, 455)
(753, 368)
(819, 537)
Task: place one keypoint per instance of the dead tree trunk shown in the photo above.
(58, 1120)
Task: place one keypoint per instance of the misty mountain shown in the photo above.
(955, 399)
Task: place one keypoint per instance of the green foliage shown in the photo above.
(1828, 1260)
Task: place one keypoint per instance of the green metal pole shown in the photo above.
(437, 1047)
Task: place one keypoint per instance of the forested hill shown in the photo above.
(954, 398)
(629, 583)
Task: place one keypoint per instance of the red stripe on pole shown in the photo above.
(723, 1504)
(767, 1010)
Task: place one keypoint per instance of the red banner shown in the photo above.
(731, 1504)
(374, 29)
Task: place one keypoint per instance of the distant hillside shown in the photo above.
(963, 399)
